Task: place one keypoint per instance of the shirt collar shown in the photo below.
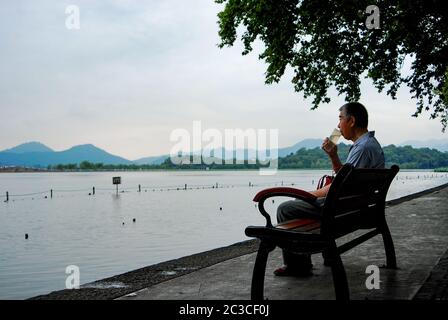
(364, 137)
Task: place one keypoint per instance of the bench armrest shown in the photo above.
(263, 195)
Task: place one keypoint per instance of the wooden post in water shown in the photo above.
(51, 194)
(7, 196)
(139, 188)
(93, 190)
(116, 181)
(185, 186)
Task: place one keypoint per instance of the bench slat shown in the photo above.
(310, 227)
(291, 224)
(356, 202)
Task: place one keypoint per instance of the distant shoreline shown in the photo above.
(21, 170)
(37, 170)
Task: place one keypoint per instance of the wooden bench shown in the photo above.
(355, 201)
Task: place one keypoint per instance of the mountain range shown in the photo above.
(36, 154)
(239, 154)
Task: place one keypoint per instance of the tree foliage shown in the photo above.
(331, 43)
(406, 157)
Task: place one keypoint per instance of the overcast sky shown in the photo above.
(137, 70)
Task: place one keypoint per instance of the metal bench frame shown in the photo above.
(355, 201)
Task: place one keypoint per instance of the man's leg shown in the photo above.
(297, 264)
(295, 209)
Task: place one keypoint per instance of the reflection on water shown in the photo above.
(175, 214)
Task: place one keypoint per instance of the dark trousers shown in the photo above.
(295, 209)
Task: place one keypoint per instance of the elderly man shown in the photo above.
(365, 152)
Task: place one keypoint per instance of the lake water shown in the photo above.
(97, 232)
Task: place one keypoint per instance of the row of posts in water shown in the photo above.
(213, 187)
(139, 190)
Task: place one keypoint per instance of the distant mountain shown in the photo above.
(439, 144)
(77, 154)
(88, 152)
(240, 154)
(151, 160)
(29, 147)
(307, 144)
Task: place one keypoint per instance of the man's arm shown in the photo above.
(322, 192)
(336, 162)
(332, 150)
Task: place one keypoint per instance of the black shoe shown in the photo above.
(286, 271)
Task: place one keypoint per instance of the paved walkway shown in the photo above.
(419, 229)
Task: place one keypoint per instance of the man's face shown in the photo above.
(346, 124)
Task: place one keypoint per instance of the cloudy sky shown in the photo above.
(137, 70)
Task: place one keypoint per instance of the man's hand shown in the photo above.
(330, 148)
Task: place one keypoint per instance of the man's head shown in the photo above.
(353, 120)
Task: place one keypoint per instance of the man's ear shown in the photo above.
(352, 121)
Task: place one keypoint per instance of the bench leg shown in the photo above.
(339, 276)
(327, 258)
(257, 288)
(391, 260)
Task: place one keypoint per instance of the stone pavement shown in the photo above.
(419, 229)
(436, 286)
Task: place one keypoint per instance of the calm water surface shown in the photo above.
(97, 232)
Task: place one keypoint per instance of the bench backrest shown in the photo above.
(356, 200)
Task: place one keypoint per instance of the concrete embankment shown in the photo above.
(419, 227)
